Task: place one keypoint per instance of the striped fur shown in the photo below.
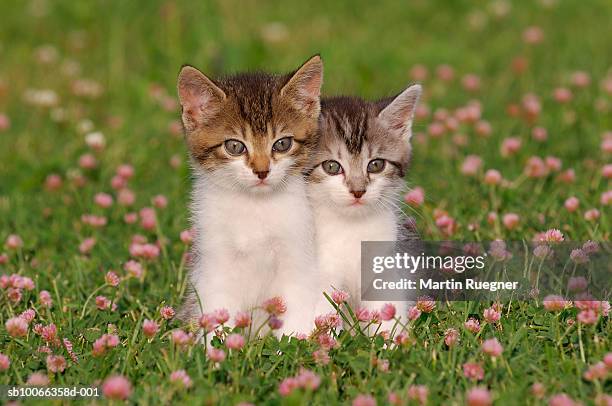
(355, 132)
(254, 235)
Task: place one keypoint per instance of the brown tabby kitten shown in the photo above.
(250, 136)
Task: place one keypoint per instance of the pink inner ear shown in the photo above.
(398, 123)
(312, 87)
(199, 97)
(305, 84)
(195, 103)
(192, 99)
(398, 115)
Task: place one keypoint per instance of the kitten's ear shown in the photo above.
(303, 89)
(398, 115)
(199, 97)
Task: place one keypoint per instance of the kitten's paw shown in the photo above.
(295, 327)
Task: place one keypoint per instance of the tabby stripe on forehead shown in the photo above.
(256, 111)
(354, 136)
(337, 123)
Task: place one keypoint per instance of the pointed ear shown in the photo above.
(398, 115)
(303, 90)
(199, 97)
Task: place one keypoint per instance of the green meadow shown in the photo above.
(513, 138)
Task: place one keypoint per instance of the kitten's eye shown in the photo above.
(234, 147)
(376, 165)
(283, 144)
(332, 167)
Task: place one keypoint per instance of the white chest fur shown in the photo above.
(252, 247)
(242, 224)
(338, 245)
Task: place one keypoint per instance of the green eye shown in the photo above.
(332, 167)
(283, 144)
(234, 147)
(376, 165)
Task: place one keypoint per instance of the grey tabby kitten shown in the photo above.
(355, 182)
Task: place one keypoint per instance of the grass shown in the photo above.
(133, 51)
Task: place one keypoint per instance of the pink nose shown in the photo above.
(358, 193)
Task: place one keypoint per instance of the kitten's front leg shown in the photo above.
(300, 315)
(217, 286)
(328, 283)
(298, 284)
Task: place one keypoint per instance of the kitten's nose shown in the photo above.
(358, 193)
(261, 174)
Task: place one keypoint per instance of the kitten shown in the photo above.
(354, 184)
(250, 137)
